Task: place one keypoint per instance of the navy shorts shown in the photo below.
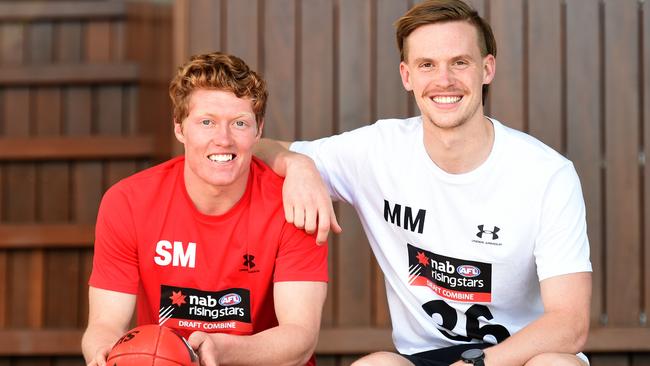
(443, 356)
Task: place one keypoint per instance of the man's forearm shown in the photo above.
(552, 332)
(281, 345)
(275, 154)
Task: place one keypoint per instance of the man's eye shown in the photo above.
(206, 122)
(426, 65)
(240, 124)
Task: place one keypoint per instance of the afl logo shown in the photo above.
(468, 271)
(229, 299)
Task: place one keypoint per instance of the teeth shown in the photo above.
(222, 158)
(446, 99)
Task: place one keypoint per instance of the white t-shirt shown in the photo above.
(462, 254)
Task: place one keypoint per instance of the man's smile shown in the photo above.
(221, 158)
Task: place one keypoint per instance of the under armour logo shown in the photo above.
(248, 261)
(491, 232)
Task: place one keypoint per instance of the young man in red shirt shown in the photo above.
(200, 244)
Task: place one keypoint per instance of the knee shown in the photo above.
(555, 359)
(377, 359)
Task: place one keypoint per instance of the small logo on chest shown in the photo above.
(249, 264)
(488, 235)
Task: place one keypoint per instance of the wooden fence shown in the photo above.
(574, 73)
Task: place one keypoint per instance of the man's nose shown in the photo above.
(222, 135)
(444, 77)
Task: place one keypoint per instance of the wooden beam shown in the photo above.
(69, 74)
(618, 339)
(333, 341)
(339, 341)
(364, 340)
(75, 148)
(43, 10)
(40, 342)
(27, 236)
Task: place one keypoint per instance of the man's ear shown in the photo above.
(489, 68)
(406, 76)
(178, 132)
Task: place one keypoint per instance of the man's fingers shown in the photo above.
(299, 217)
(195, 339)
(311, 220)
(334, 223)
(288, 212)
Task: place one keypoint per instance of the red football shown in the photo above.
(152, 345)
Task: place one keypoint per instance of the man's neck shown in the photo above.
(461, 149)
(212, 200)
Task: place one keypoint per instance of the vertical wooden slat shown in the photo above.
(13, 52)
(182, 34)
(622, 172)
(108, 106)
(3, 289)
(279, 68)
(646, 167)
(545, 73)
(97, 39)
(118, 40)
(316, 115)
(354, 101)
(25, 270)
(508, 88)
(46, 119)
(68, 42)
(243, 41)
(204, 24)
(40, 38)
(392, 102)
(119, 170)
(583, 114)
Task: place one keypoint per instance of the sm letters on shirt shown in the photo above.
(176, 255)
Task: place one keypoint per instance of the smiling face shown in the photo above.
(445, 70)
(218, 134)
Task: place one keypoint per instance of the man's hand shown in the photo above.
(205, 347)
(100, 356)
(307, 203)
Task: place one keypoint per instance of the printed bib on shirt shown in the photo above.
(455, 279)
(219, 311)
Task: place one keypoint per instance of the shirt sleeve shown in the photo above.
(115, 261)
(562, 246)
(339, 159)
(299, 258)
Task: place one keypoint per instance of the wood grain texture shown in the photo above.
(622, 201)
(584, 130)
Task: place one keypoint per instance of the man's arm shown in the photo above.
(298, 307)
(563, 328)
(109, 315)
(307, 203)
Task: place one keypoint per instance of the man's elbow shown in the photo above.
(579, 334)
(305, 347)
